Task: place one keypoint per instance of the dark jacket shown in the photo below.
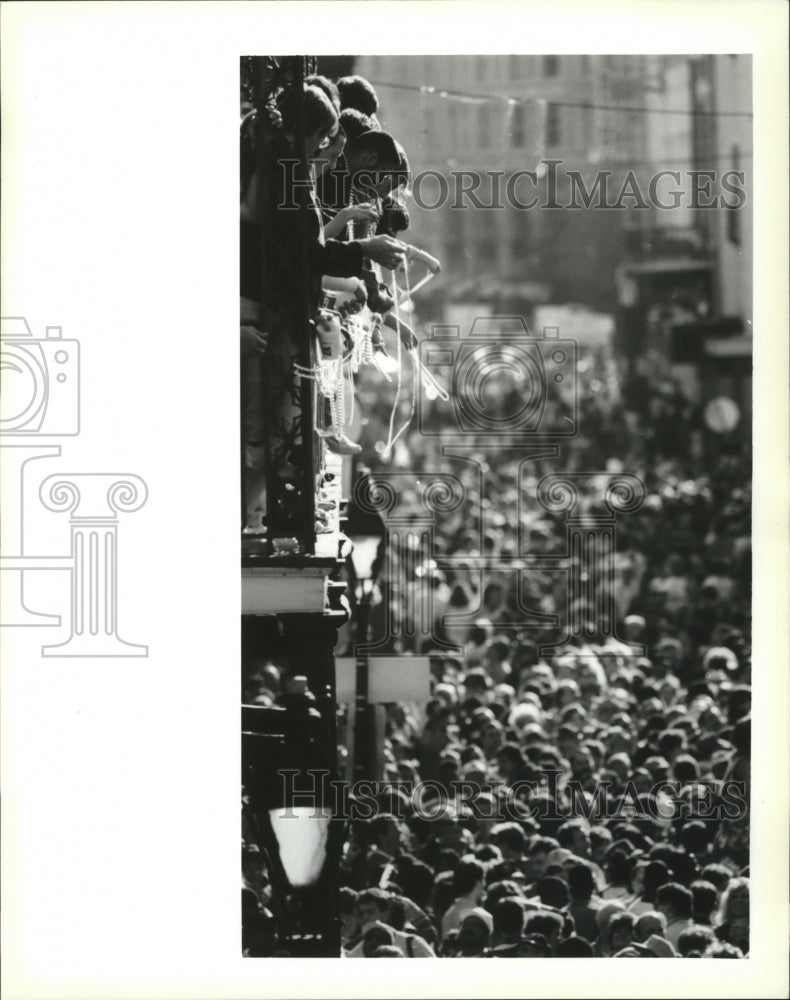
(276, 281)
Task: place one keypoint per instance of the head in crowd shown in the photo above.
(675, 901)
(581, 883)
(443, 894)
(373, 905)
(575, 835)
(723, 950)
(349, 920)
(649, 923)
(327, 86)
(550, 925)
(574, 947)
(656, 874)
(329, 153)
(474, 933)
(718, 875)
(320, 120)
(508, 919)
(622, 931)
(469, 879)
(733, 922)
(695, 941)
(416, 879)
(374, 938)
(385, 833)
(387, 951)
(553, 891)
(354, 123)
(510, 839)
(356, 92)
(376, 163)
(705, 901)
(394, 218)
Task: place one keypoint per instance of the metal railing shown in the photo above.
(290, 449)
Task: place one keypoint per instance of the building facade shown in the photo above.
(475, 124)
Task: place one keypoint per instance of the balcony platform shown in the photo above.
(282, 583)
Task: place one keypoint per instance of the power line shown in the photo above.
(678, 161)
(698, 163)
(588, 105)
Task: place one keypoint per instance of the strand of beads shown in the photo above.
(392, 439)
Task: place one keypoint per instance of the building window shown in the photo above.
(552, 125)
(454, 238)
(518, 250)
(587, 119)
(486, 252)
(452, 118)
(518, 130)
(551, 65)
(429, 126)
(733, 214)
(484, 125)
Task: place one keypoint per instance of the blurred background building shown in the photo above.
(673, 285)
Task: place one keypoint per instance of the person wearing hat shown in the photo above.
(654, 947)
(660, 947)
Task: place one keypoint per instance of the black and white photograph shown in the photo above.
(496, 387)
(443, 614)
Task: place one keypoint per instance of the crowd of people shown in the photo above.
(559, 795)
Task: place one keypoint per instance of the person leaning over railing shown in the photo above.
(325, 256)
(271, 289)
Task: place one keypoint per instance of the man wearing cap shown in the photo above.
(654, 947)
(660, 947)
